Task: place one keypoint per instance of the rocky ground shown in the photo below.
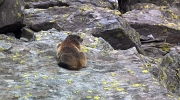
(29, 70)
(116, 68)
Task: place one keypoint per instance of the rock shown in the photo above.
(155, 20)
(128, 5)
(11, 16)
(169, 73)
(162, 22)
(4, 45)
(153, 51)
(44, 5)
(157, 50)
(45, 24)
(10, 34)
(176, 5)
(124, 5)
(87, 19)
(1, 2)
(32, 68)
(28, 34)
(29, 70)
(120, 36)
(112, 4)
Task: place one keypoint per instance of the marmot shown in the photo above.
(69, 55)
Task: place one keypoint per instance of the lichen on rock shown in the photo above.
(169, 72)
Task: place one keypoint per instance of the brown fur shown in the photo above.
(69, 55)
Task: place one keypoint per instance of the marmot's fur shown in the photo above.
(69, 55)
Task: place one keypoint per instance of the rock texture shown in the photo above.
(11, 12)
(1, 2)
(29, 70)
(160, 22)
(28, 66)
(87, 18)
(127, 5)
(169, 72)
(112, 4)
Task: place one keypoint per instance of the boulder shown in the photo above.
(45, 24)
(169, 72)
(27, 34)
(120, 35)
(176, 5)
(159, 21)
(156, 49)
(44, 4)
(112, 4)
(127, 5)
(100, 22)
(11, 12)
(1, 2)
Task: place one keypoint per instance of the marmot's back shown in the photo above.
(69, 55)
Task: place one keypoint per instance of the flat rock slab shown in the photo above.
(29, 70)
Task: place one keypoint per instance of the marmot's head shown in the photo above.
(74, 38)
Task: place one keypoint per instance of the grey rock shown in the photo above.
(155, 20)
(128, 5)
(176, 5)
(29, 70)
(11, 16)
(120, 36)
(45, 24)
(161, 22)
(44, 4)
(112, 4)
(24, 39)
(1, 2)
(93, 20)
(5, 45)
(28, 34)
(168, 73)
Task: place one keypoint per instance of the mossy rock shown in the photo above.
(169, 74)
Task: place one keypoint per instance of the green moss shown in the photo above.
(100, 2)
(65, 15)
(163, 76)
(19, 15)
(171, 87)
(165, 30)
(17, 3)
(168, 60)
(2, 49)
(165, 47)
(119, 35)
